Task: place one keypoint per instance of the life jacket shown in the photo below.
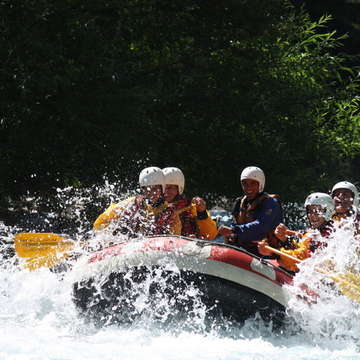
(308, 245)
(245, 212)
(157, 219)
(135, 216)
(184, 222)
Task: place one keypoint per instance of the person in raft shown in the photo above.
(319, 210)
(256, 214)
(145, 214)
(191, 216)
(346, 198)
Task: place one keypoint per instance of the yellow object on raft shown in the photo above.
(42, 249)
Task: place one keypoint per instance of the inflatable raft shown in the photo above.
(165, 275)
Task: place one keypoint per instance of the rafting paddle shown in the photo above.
(278, 252)
(42, 249)
(348, 283)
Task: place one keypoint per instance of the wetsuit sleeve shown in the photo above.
(106, 217)
(207, 226)
(268, 217)
(198, 223)
(113, 212)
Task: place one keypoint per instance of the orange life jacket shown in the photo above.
(308, 245)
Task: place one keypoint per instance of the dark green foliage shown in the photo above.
(345, 19)
(92, 87)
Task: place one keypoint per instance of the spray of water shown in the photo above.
(45, 298)
(160, 296)
(317, 305)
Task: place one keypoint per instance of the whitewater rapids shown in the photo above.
(38, 320)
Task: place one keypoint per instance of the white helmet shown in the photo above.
(254, 173)
(349, 186)
(151, 176)
(324, 200)
(174, 176)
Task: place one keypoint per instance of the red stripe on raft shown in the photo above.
(243, 260)
(157, 244)
(176, 244)
(231, 257)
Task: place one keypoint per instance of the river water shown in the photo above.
(38, 319)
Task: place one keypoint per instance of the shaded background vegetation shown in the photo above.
(90, 88)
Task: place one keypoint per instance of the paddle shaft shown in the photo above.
(348, 283)
(278, 252)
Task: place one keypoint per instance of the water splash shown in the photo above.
(142, 296)
(40, 303)
(322, 311)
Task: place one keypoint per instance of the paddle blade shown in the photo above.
(48, 261)
(29, 245)
(349, 285)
